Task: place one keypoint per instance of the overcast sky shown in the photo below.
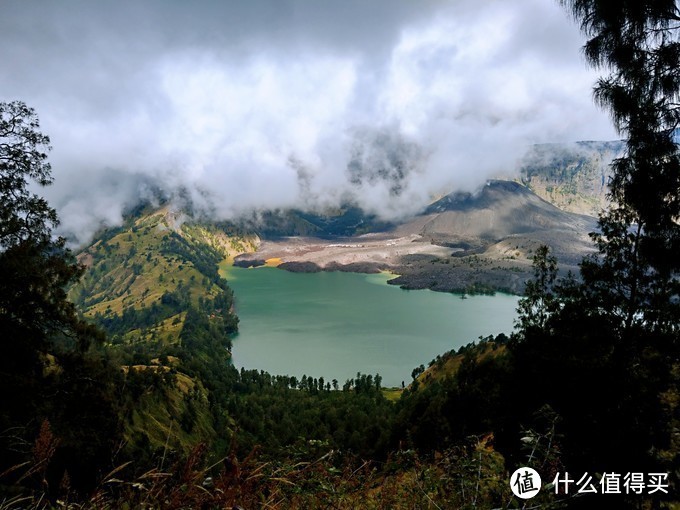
(257, 104)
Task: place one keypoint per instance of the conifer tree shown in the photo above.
(45, 372)
(605, 357)
(637, 272)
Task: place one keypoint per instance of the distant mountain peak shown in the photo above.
(491, 193)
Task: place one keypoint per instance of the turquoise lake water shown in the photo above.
(337, 324)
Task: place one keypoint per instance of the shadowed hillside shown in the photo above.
(493, 235)
(500, 210)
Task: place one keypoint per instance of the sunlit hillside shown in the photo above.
(143, 278)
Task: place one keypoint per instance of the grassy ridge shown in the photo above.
(157, 260)
(153, 286)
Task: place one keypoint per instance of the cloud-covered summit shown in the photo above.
(243, 106)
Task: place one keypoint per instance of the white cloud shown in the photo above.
(265, 104)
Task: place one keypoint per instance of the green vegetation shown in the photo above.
(146, 279)
(48, 371)
(162, 385)
(156, 416)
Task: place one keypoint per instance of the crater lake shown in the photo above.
(335, 324)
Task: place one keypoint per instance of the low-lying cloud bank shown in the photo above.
(288, 103)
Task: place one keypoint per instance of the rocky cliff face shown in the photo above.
(500, 209)
(572, 177)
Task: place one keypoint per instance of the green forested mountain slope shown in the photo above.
(153, 286)
(144, 279)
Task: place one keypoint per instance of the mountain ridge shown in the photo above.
(465, 242)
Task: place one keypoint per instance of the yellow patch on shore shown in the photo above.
(273, 262)
(390, 273)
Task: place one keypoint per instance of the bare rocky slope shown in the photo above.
(463, 242)
(494, 234)
(573, 176)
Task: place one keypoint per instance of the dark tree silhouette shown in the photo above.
(44, 368)
(23, 157)
(606, 357)
(539, 299)
(636, 43)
